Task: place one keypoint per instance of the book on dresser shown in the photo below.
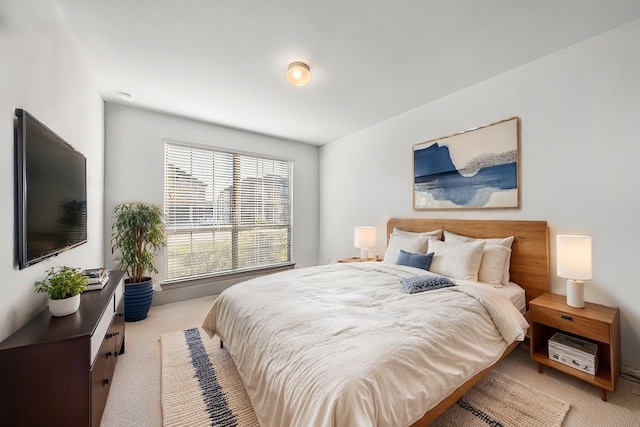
(97, 278)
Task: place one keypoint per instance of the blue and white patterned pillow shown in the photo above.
(416, 284)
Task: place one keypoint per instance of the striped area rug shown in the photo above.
(200, 384)
(201, 387)
(500, 401)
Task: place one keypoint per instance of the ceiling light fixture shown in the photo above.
(299, 73)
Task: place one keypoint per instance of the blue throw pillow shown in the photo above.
(422, 261)
(416, 284)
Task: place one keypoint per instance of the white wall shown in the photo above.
(134, 165)
(580, 117)
(42, 72)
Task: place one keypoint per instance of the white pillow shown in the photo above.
(494, 259)
(435, 233)
(506, 242)
(408, 243)
(453, 237)
(456, 260)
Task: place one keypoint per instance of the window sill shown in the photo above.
(234, 276)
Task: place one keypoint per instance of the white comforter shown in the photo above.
(343, 345)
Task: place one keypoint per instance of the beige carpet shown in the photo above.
(201, 386)
(134, 399)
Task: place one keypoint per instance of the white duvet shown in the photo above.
(344, 345)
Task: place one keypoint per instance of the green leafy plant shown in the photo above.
(137, 233)
(62, 282)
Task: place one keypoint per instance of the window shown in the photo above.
(224, 211)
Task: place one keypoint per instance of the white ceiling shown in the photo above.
(224, 61)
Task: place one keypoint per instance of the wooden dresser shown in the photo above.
(58, 370)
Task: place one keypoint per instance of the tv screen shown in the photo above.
(51, 192)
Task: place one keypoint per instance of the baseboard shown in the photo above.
(630, 371)
(167, 296)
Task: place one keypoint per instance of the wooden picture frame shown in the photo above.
(474, 169)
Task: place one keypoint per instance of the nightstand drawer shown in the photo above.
(571, 323)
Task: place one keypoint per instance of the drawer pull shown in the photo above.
(109, 354)
(105, 381)
(566, 317)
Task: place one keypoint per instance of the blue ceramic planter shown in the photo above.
(137, 300)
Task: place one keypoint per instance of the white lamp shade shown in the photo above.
(574, 257)
(364, 237)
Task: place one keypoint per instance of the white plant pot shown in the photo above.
(64, 307)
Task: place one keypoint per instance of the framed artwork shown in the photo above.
(474, 169)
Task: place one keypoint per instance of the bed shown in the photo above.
(342, 344)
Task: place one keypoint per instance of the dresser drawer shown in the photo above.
(587, 328)
(101, 330)
(118, 294)
(105, 320)
(101, 377)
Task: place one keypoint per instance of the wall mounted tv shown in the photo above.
(51, 192)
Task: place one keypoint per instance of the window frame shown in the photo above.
(236, 226)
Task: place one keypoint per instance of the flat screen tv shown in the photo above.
(51, 192)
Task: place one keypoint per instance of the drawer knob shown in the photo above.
(109, 354)
(105, 381)
(566, 317)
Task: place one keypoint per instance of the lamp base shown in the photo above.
(364, 253)
(575, 293)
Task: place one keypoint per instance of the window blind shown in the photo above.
(224, 211)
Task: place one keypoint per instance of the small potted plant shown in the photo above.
(137, 233)
(64, 286)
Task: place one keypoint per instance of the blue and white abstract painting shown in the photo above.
(474, 169)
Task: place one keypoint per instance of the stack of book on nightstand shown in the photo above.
(98, 277)
(574, 352)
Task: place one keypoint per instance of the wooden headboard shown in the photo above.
(530, 249)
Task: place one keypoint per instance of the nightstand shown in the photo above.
(596, 323)
(358, 259)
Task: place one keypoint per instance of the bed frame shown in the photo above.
(529, 269)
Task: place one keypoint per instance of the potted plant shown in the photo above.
(137, 233)
(64, 286)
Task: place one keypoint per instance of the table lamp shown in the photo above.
(364, 238)
(574, 264)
